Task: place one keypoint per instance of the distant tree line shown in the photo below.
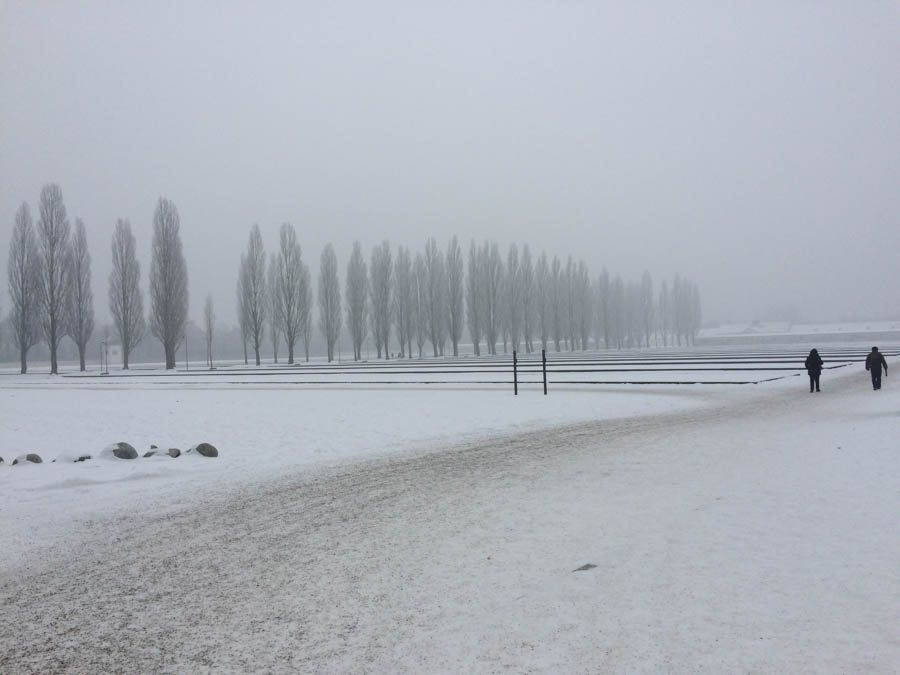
(410, 303)
(431, 298)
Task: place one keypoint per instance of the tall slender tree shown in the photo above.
(526, 281)
(305, 308)
(544, 299)
(404, 315)
(23, 274)
(455, 312)
(209, 326)
(126, 303)
(168, 280)
(273, 311)
(492, 269)
(356, 297)
(420, 275)
(252, 301)
(514, 296)
(435, 304)
(80, 317)
(474, 300)
(329, 299)
(290, 291)
(380, 294)
(53, 246)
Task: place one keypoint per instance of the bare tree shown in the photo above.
(329, 299)
(80, 317)
(243, 319)
(647, 306)
(420, 275)
(273, 311)
(455, 314)
(53, 246)
(544, 299)
(526, 282)
(252, 302)
(513, 296)
(168, 281)
(289, 292)
(557, 302)
(603, 300)
(209, 325)
(126, 304)
(23, 274)
(584, 303)
(435, 296)
(381, 271)
(492, 269)
(305, 308)
(404, 315)
(356, 296)
(474, 300)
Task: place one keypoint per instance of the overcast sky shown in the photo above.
(754, 147)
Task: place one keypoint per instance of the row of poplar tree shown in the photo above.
(434, 297)
(404, 298)
(49, 281)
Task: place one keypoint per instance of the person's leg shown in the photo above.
(817, 381)
(812, 381)
(878, 381)
(874, 380)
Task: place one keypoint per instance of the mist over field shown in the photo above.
(753, 149)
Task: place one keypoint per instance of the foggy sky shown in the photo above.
(754, 147)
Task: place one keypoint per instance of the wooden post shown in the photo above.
(515, 374)
(544, 367)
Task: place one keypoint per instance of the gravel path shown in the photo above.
(709, 554)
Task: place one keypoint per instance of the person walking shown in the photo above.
(814, 368)
(874, 363)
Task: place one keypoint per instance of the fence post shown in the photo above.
(544, 368)
(515, 374)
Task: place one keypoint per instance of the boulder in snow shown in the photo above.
(174, 452)
(150, 453)
(120, 450)
(205, 449)
(153, 447)
(83, 458)
(30, 457)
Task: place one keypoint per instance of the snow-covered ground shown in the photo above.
(436, 528)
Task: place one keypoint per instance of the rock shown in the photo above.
(30, 457)
(83, 458)
(152, 447)
(205, 449)
(174, 452)
(1, 460)
(120, 450)
(150, 453)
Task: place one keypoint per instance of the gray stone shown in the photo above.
(153, 447)
(174, 452)
(83, 458)
(1, 460)
(123, 450)
(30, 457)
(150, 453)
(205, 449)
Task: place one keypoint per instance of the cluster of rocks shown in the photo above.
(124, 450)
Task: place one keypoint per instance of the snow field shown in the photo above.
(732, 528)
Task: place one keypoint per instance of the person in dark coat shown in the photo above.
(814, 368)
(874, 363)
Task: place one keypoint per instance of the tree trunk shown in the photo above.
(124, 358)
(81, 357)
(290, 353)
(23, 360)
(170, 357)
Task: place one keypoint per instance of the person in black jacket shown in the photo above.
(814, 368)
(874, 363)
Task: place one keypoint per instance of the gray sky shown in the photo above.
(754, 147)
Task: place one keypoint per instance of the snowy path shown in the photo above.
(760, 536)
